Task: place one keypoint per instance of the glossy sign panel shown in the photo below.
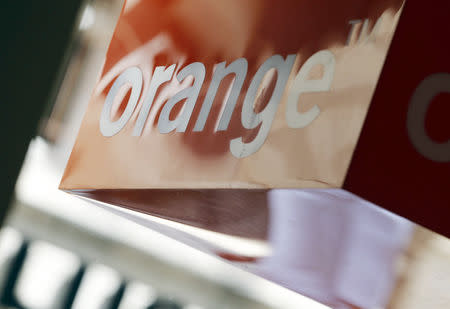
(402, 161)
(228, 96)
(199, 94)
(325, 244)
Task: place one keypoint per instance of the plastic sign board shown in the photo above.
(218, 100)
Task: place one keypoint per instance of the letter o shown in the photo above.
(427, 90)
(132, 76)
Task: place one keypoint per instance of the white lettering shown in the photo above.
(165, 125)
(301, 85)
(131, 76)
(249, 118)
(353, 33)
(160, 76)
(239, 68)
(424, 94)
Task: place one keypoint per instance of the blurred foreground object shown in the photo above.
(35, 38)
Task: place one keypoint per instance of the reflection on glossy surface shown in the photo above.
(328, 244)
(234, 212)
(334, 246)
